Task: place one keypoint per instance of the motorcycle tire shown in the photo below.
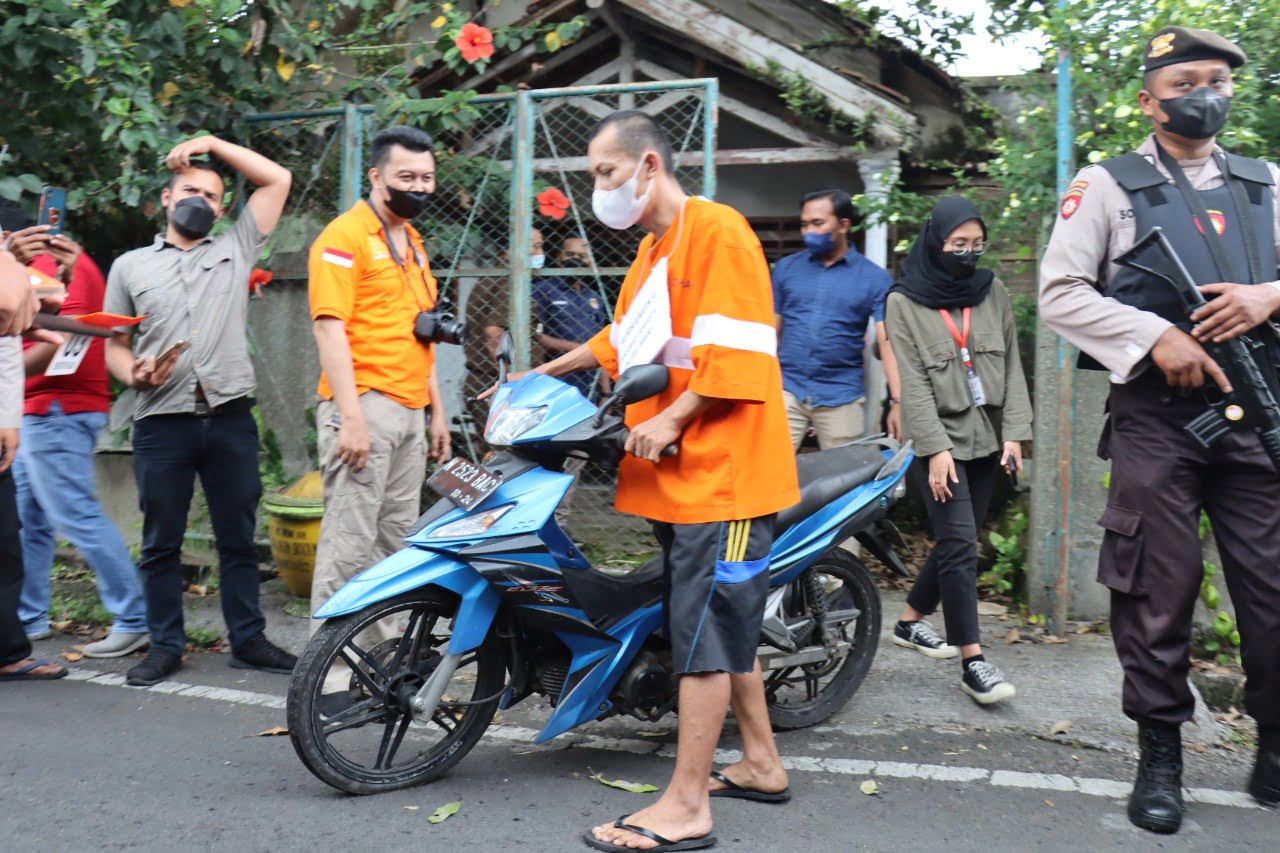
(856, 579)
(307, 728)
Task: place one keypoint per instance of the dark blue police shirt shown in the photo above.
(571, 314)
(826, 312)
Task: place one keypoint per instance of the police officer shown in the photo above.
(1133, 326)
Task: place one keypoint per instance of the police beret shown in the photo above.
(1172, 45)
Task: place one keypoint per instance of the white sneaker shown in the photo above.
(117, 645)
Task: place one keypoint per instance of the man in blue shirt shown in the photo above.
(825, 300)
(570, 310)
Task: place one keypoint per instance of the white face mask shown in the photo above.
(620, 208)
(537, 262)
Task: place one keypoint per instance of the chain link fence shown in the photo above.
(510, 187)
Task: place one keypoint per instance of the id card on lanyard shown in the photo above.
(962, 341)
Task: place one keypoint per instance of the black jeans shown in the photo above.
(950, 575)
(14, 645)
(168, 452)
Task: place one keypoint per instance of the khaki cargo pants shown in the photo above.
(835, 425)
(368, 512)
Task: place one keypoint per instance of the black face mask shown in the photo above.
(193, 218)
(573, 264)
(406, 204)
(1197, 115)
(958, 266)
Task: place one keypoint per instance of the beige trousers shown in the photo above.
(835, 425)
(367, 512)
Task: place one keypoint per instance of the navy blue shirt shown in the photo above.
(571, 314)
(826, 312)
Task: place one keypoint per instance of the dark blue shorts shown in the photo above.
(716, 583)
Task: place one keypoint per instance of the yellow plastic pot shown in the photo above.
(293, 522)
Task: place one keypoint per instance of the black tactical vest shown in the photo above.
(1157, 202)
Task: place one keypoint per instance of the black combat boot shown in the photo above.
(1156, 802)
(1265, 784)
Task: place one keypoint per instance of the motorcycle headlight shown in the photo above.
(472, 525)
(511, 422)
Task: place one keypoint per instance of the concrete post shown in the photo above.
(879, 171)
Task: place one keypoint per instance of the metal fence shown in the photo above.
(514, 179)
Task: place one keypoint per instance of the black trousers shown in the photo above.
(14, 645)
(1151, 560)
(950, 574)
(169, 451)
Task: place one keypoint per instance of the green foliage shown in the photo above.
(1106, 39)
(924, 27)
(202, 638)
(109, 86)
(807, 102)
(1225, 648)
(1007, 574)
(270, 460)
(82, 609)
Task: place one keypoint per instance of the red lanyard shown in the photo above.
(961, 339)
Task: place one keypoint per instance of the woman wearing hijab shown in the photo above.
(965, 405)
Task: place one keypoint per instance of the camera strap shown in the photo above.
(395, 256)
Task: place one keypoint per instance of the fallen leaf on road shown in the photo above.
(980, 746)
(411, 808)
(72, 656)
(1197, 747)
(273, 732)
(869, 787)
(61, 626)
(1050, 804)
(990, 608)
(624, 785)
(1052, 639)
(443, 813)
(1014, 636)
(198, 589)
(1060, 728)
(662, 733)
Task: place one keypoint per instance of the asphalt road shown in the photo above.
(88, 764)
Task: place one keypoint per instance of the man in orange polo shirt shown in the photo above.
(713, 504)
(369, 280)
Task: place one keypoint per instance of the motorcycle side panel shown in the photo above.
(595, 669)
(410, 569)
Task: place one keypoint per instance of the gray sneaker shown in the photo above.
(41, 634)
(117, 645)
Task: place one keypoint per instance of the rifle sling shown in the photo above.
(1210, 233)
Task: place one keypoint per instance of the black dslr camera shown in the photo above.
(439, 326)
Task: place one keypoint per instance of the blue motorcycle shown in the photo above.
(491, 602)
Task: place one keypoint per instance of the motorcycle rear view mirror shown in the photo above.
(505, 355)
(638, 383)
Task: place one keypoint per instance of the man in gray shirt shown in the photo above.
(188, 361)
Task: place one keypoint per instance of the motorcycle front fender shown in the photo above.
(412, 568)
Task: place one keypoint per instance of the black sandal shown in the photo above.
(735, 791)
(698, 842)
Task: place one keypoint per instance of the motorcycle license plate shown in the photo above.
(465, 483)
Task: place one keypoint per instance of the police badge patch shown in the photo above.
(1160, 45)
(1073, 198)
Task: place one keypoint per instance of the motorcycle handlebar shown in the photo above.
(669, 450)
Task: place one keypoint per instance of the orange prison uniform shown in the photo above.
(355, 279)
(735, 462)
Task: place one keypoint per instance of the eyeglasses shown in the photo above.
(964, 247)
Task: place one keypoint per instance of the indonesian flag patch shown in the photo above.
(342, 259)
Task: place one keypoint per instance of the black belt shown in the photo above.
(231, 407)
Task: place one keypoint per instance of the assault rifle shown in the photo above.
(1253, 402)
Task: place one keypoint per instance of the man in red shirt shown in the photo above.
(62, 416)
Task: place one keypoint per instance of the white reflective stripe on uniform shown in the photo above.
(677, 353)
(721, 331)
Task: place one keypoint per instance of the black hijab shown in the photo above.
(925, 279)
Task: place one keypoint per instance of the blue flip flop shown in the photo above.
(26, 673)
(699, 842)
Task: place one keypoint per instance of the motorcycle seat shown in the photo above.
(828, 474)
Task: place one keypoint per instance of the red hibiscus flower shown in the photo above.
(553, 203)
(257, 278)
(475, 42)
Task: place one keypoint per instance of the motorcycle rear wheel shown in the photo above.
(373, 744)
(828, 686)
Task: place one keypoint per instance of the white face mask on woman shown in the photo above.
(620, 208)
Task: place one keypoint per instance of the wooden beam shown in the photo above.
(750, 48)
(734, 157)
(761, 119)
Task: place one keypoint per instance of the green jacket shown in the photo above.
(938, 411)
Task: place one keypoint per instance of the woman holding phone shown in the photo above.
(966, 407)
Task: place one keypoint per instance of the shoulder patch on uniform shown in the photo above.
(1072, 199)
(338, 257)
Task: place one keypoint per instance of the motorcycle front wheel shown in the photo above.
(356, 732)
(806, 694)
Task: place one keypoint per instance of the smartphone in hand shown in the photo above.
(53, 209)
(1012, 467)
(180, 346)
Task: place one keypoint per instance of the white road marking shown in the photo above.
(1108, 788)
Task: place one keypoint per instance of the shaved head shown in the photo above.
(635, 133)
